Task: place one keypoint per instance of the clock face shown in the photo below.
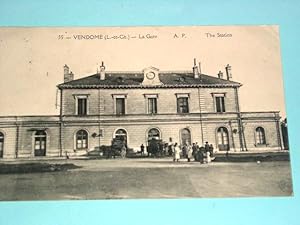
(150, 75)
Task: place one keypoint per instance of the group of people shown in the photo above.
(201, 154)
(155, 148)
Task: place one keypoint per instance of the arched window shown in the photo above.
(153, 134)
(121, 134)
(223, 139)
(81, 139)
(1, 144)
(260, 136)
(40, 143)
(185, 136)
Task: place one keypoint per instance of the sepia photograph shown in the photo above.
(142, 113)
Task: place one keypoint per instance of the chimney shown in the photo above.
(66, 70)
(220, 75)
(200, 70)
(102, 71)
(68, 76)
(195, 69)
(71, 76)
(228, 72)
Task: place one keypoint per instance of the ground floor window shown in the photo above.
(40, 139)
(81, 139)
(121, 134)
(223, 139)
(1, 144)
(260, 136)
(153, 134)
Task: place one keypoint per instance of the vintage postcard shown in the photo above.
(142, 112)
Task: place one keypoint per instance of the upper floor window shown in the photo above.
(220, 104)
(81, 105)
(152, 105)
(119, 104)
(219, 101)
(182, 104)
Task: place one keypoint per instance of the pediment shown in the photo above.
(150, 68)
(151, 76)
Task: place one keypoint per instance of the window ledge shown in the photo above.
(261, 145)
(120, 115)
(80, 149)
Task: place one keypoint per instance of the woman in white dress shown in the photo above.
(189, 151)
(176, 153)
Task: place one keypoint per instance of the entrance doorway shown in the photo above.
(185, 136)
(155, 146)
(222, 137)
(40, 140)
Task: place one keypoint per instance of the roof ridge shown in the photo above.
(141, 72)
(130, 79)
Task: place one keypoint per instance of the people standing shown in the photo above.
(201, 155)
(194, 150)
(153, 147)
(184, 150)
(170, 147)
(189, 151)
(123, 151)
(142, 149)
(208, 158)
(211, 150)
(206, 147)
(197, 146)
(176, 153)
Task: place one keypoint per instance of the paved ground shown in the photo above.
(149, 178)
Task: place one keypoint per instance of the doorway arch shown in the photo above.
(185, 135)
(223, 139)
(260, 136)
(40, 143)
(121, 134)
(153, 133)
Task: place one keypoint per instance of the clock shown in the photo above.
(150, 75)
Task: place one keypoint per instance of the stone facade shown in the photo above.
(84, 125)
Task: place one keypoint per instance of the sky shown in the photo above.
(32, 60)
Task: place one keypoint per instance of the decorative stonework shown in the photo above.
(151, 76)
